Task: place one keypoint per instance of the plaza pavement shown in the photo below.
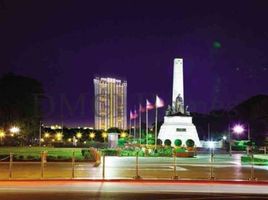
(224, 167)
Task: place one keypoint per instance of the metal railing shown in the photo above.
(210, 167)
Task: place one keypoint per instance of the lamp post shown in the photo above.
(2, 135)
(59, 136)
(14, 129)
(40, 133)
(211, 146)
(104, 135)
(79, 136)
(92, 135)
(249, 136)
(46, 135)
(238, 129)
(123, 135)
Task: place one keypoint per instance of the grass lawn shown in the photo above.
(33, 153)
(258, 159)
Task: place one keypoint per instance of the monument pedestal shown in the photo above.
(179, 127)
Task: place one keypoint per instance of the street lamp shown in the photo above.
(14, 129)
(224, 137)
(123, 135)
(79, 135)
(46, 135)
(104, 135)
(59, 136)
(2, 135)
(238, 129)
(211, 146)
(92, 136)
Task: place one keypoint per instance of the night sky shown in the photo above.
(65, 44)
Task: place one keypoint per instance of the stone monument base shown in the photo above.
(179, 127)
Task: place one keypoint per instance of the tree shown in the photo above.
(114, 130)
(20, 104)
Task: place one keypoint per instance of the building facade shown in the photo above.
(110, 103)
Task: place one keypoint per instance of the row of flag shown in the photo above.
(149, 106)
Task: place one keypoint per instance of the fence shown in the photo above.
(205, 166)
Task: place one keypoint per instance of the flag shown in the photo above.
(159, 102)
(149, 106)
(141, 109)
(131, 115)
(135, 115)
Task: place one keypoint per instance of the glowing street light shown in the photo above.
(104, 135)
(46, 135)
(59, 136)
(211, 144)
(123, 135)
(14, 129)
(92, 136)
(224, 137)
(2, 134)
(79, 135)
(238, 128)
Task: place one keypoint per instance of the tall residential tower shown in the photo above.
(110, 103)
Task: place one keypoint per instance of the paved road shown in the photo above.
(68, 190)
(224, 167)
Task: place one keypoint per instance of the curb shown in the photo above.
(238, 182)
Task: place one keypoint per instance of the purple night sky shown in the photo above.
(64, 44)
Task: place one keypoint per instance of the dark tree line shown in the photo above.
(20, 104)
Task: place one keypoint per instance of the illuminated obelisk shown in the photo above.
(178, 122)
(177, 79)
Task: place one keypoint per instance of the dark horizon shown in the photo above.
(66, 44)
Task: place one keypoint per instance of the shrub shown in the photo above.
(29, 157)
(179, 150)
(4, 157)
(150, 141)
(190, 143)
(18, 157)
(59, 157)
(51, 158)
(159, 142)
(110, 152)
(167, 142)
(178, 142)
(121, 142)
(87, 155)
(164, 152)
(83, 151)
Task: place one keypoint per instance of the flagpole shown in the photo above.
(155, 133)
(135, 127)
(130, 126)
(140, 122)
(146, 126)
(135, 124)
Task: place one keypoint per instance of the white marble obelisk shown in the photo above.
(177, 79)
(180, 125)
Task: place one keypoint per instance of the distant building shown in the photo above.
(110, 103)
